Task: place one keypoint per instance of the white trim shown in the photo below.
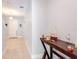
(4, 51)
(27, 47)
(37, 56)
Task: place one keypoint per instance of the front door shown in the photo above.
(12, 27)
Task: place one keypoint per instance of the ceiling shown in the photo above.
(12, 7)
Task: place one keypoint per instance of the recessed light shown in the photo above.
(10, 17)
(21, 6)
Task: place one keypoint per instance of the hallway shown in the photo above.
(16, 49)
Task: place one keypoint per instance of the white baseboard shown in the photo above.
(37, 56)
(28, 47)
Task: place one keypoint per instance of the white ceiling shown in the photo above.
(12, 7)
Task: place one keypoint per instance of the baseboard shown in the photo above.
(37, 56)
(28, 47)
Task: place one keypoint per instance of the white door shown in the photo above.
(12, 27)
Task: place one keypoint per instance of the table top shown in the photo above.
(61, 46)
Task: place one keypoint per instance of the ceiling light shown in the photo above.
(10, 17)
(21, 6)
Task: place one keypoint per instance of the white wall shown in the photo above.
(27, 26)
(63, 18)
(4, 33)
(39, 24)
(27, 31)
(53, 16)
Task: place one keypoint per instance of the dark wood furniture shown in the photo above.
(59, 45)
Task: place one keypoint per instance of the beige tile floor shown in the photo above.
(16, 49)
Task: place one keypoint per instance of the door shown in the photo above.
(12, 27)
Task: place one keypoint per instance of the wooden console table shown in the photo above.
(59, 45)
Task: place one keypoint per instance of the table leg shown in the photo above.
(51, 56)
(46, 52)
(44, 56)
